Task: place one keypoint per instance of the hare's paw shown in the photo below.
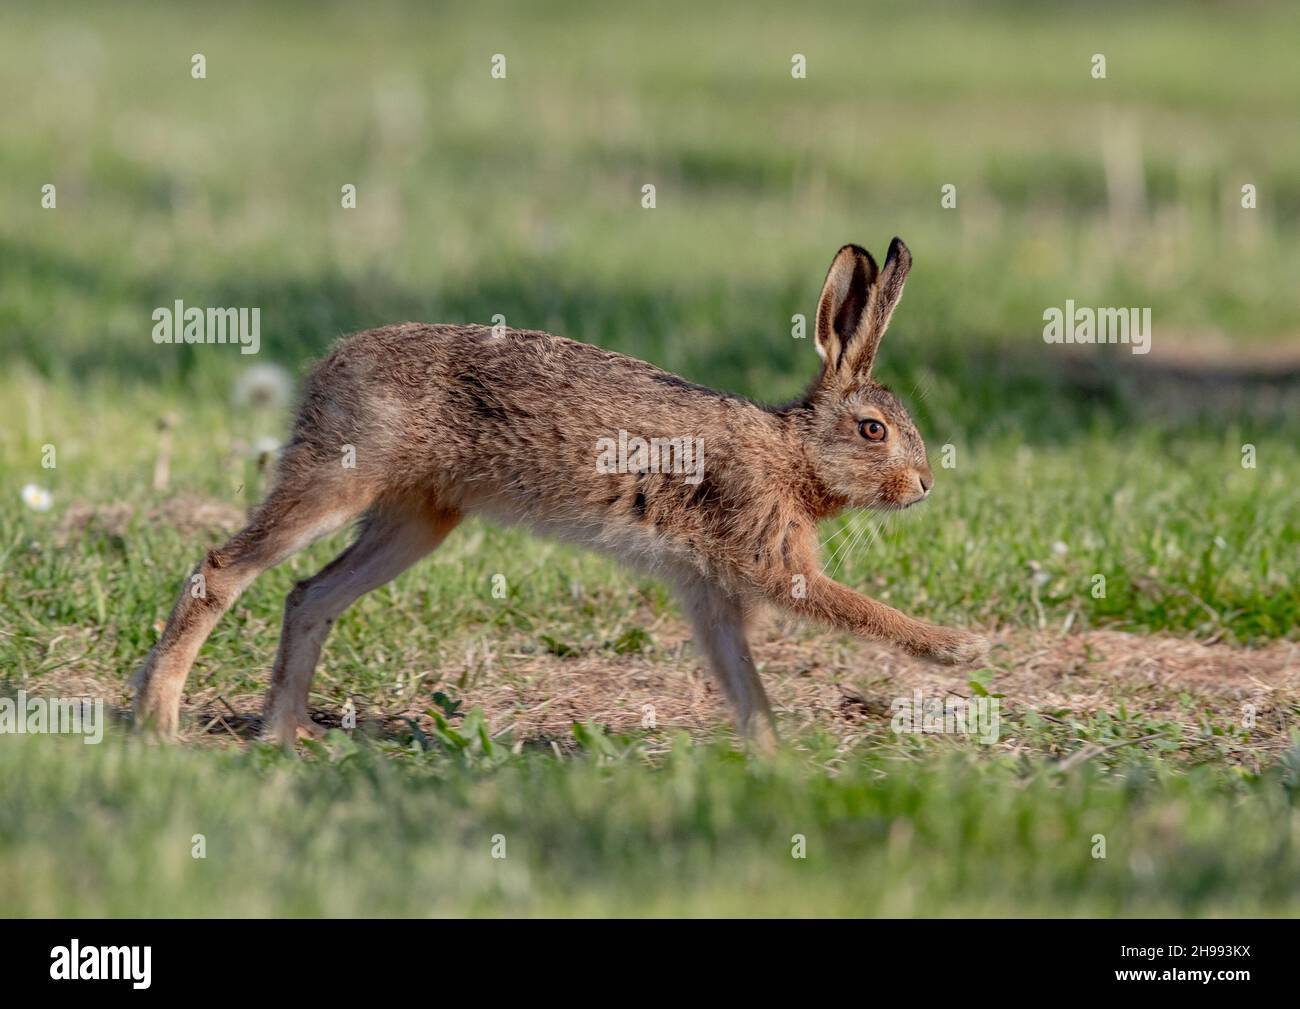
(287, 729)
(953, 647)
(157, 706)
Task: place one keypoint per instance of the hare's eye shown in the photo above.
(872, 430)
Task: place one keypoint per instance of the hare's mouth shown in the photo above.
(911, 493)
(894, 505)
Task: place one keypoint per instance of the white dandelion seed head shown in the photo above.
(263, 386)
(36, 498)
(265, 445)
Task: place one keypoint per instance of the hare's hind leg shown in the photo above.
(291, 517)
(392, 539)
(718, 620)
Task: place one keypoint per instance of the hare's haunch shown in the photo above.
(412, 427)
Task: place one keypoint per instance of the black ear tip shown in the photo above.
(859, 258)
(897, 250)
(860, 253)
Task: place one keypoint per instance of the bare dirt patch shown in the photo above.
(188, 514)
(847, 687)
(816, 682)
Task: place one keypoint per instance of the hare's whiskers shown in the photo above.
(851, 528)
(847, 548)
(850, 547)
(838, 533)
(875, 534)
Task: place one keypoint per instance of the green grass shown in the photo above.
(522, 197)
(701, 832)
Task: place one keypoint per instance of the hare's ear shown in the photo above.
(843, 305)
(885, 295)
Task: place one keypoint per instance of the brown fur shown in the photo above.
(454, 420)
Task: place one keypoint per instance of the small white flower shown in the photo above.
(1060, 549)
(263, 385)
(38, 499)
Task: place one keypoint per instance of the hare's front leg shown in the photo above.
(718, 620)
(827, 600)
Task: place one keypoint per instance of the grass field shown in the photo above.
(1161, 713)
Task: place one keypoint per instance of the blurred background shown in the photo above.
(522, 196)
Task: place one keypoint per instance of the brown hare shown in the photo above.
(412, 427)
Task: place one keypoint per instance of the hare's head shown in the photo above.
(868, 451)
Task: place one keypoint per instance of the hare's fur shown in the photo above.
(444, 421)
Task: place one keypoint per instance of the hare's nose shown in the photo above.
(926, 477)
